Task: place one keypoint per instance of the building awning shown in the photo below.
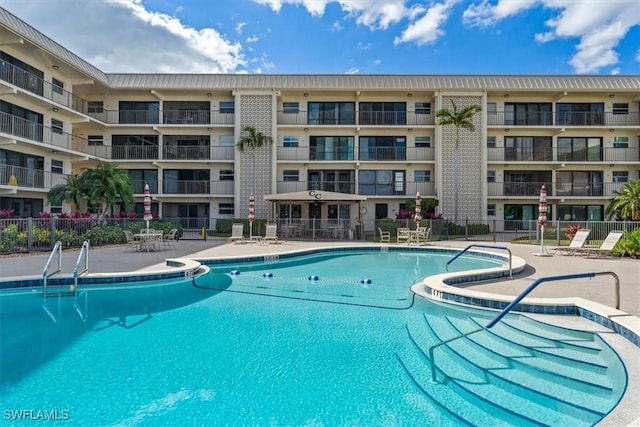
(314, 196)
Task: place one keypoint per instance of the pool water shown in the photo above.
(215, 351)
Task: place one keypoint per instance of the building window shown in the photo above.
(381, 182)
(383, 113)
(290, 211)
(139, 112)
(620, 108)
(423, 108)
(57, 166)
(524, 148)
(423, 141)
(55, 210)
(290, 141)
(95, 107)
(57, 86)
(491, 142)
(583, 113)
(227, 141)
(227, 107)
(527, 113)
(491, 176)
(331, 113)
(580, 213)
(57, 126)
(621, 142)
(290, 107)
(491, 210)
(95, 140)
(337, 181)
(331, 148)
(290, 175)
(226, 209)
(422, 176)
(579, 149)
(383, 147)
(227, 174)
(620, 176)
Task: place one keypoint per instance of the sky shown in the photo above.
(548, 37)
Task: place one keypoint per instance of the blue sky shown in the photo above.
(344, 36)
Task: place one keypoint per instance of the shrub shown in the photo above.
(631, 243)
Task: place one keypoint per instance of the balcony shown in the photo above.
(365, 118)
(532, 189)
(408, 189)
(386, 154)
(164, 117)
(548, 154)
(21, 177)
(185, 187)
(568, 119)
(38, 86)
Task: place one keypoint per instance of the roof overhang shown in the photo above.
(315, 196)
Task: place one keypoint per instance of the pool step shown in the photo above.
(555, 377)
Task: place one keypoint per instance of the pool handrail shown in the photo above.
(45, 272)
(459, 254)
(83, 251)
(517, 300)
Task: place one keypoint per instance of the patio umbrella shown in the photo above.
(252, 213)
(542, 219)
(418, 216)
(147, 205)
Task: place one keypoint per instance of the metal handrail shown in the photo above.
(83, 251)
(483, 246)
(519, 298)
(45, 272)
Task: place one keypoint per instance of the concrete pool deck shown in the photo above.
(600, 289)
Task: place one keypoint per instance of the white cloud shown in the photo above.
(599, 25)
(127, 37)
(375, 14)
(352, 71)
(638, 55)
(428, 28)
(252, 39)
(377, 62)
(615, 71)
(240, 26)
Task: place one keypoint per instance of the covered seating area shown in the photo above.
(316, 215)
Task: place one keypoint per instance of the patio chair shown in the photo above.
(237, 235)
(271, 234)
(385, 236)
(402, 235)
(169, 239)
(131, 240)
(606, 247)
(578, 241)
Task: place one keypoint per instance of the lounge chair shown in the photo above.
(385, 236)
(271, 234)
(403, 235)
(578, 241)
(237, 235)
(606, 247)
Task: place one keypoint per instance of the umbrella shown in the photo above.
(252, 213)
(418, 216)
(542, 219)
(147, 205)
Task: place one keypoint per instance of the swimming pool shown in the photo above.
(250, 349)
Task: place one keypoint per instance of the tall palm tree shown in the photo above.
(107, 183)
(460, 119)
(72, 192)
(626, 203)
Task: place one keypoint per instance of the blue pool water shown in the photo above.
(245, 349)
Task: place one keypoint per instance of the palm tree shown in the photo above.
(72, 192)
(460, 119)
(106, 184)
(626, 203)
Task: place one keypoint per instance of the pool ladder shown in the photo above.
(63, 290)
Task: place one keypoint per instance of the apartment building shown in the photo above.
(345, 147)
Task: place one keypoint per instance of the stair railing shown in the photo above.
(76, 270)
(459, 254)
(516, 301)
(57, 249)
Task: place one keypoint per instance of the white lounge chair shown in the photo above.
(606, 247)
(271, 234)
(578, 241)
(403, 235)
(237, 233)
(169, 239)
